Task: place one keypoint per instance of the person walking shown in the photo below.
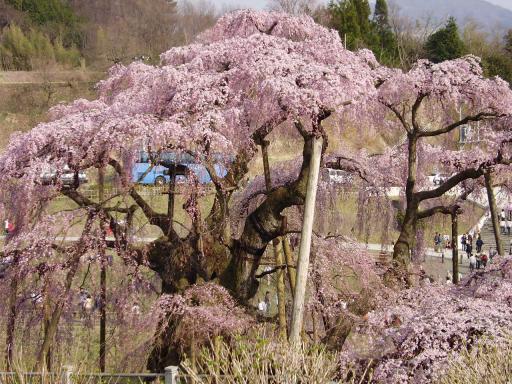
(503, 226)
(469, 249)
(472, 263)
(446, 239)
(463, 242)
(267, 303)
(484, 260)
(478, 260)
(479, 244)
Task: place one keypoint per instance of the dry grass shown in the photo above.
(489, 363)
(261, 359)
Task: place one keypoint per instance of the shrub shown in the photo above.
(33, 50)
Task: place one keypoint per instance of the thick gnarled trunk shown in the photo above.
(404, 245)
(233, 264)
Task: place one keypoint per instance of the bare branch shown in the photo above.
(451, 127)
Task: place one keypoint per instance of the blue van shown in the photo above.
(160, 174)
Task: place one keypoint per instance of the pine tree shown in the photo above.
(345, 20)
(445, 44)
(386, 50)
(351, 18)
(508, 41)
(381, 16)
(363, 17)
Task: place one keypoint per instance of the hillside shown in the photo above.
(494, 18)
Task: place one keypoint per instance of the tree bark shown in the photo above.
(305, 242)
(290, 265)
(11, 322)
(59, 307)
(494, 211)
(278, 254)
(103, 280)
(455, 248)
(404, 244)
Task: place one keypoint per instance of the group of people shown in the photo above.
(476, 258)
(467, 243)
(505, 223)
(441, 241)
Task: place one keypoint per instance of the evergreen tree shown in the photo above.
(445, 44)
(351, 18)
(508, 42)
(56, 17)
(381, 16)
(345, 20)
(386, 50)
(498, 64)
(363, 17)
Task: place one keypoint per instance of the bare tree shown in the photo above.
(294, 7)
(195, 17)
(411, 35)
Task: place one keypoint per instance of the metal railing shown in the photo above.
(68, 376)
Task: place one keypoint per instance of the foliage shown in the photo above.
(386, 48)
(445, 44)
(498, 64)
(55, 16)
(204, 311)
(33, 50)
(351, 18)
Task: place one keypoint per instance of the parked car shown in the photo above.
(67, 176)
(183, 164)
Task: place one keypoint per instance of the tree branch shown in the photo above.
(414, 112)
(154, 218)
(400, 117)
(451, 127)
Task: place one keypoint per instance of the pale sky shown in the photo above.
(262, 3)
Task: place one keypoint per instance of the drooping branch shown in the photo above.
(443, 209)
(478, 117)
(466, 174)
(399, 116)
(159, 219)
(414, 112)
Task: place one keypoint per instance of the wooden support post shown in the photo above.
(171, 375)
(494, 212)
(290, 265)
(103, 280)
(305, 242)
(455, 247)
(278, 254)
